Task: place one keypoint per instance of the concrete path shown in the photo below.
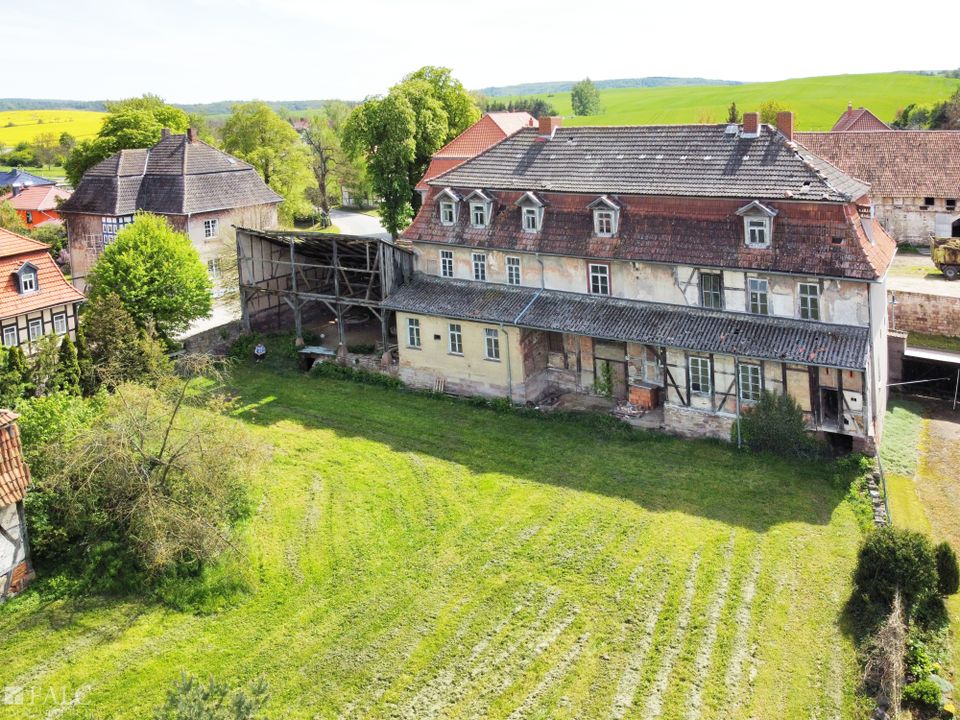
(356, 223)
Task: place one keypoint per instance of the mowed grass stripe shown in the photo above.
(395, 534)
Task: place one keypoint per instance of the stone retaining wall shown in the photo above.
(930, 314)
(692, 423)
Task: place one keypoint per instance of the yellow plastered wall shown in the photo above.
(434, 356)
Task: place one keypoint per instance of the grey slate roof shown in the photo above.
(681, 160)
(21, 178)
(174, 177)
(688, 328)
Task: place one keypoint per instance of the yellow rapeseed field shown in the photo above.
(24, 125)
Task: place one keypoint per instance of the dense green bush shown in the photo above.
(775, 424)
(892, 559)
(924, 694)
(919, 662)
(948, 571)
(345, 372)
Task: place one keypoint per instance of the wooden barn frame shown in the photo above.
(286, 275)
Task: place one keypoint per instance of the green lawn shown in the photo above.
(415, 558)
(817, 102)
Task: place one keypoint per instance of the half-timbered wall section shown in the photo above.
(289, 278)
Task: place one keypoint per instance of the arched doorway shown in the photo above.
(955, 228)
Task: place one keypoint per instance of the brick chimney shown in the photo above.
(165, 133)
(549, 125)
(785, 124)
(191, 135)
(751, 124)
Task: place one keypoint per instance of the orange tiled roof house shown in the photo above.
(676, 270)
(35, 298)
(16, 569)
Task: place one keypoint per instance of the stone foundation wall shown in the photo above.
(930, 314)
(691, 423)
(215, 341)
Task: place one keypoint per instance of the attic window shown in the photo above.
(836, 240)
(757, 224)
(606, 217)
(531, 219)
(951, 204)
(448, 213)
(928, 202)
(478, 214)
(757, 231)
(28, 281)
(531, 212)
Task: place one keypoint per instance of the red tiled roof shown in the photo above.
(38, 197)
(53, 290)
(900, 163)
(689, 231)
(484, 133)
(14, 473)
(859, 120)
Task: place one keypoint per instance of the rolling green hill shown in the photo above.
(817, 102)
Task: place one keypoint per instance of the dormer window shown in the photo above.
(531, 212)
(606, 216)
(448, 213)
(757, 224)
(27, 278)
(448, 201)
(480, 206)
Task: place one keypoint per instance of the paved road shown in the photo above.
(355, 223)
(917, 274)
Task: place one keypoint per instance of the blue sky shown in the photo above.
(209, 50)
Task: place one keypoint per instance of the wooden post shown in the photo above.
(341, 335)
(298, 327)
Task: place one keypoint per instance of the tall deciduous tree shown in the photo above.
(10, 219)
(398, 133)
(157, 274)
(585, 98)
(769, 111)
(131, 123)
(256, 134)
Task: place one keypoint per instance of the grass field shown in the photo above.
(817, 102)
(24, 125)
(415, 558)
(921, 450)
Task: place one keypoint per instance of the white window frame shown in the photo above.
(531, 219)
(513, 270)
(214, 269)
(446, 263)
(758, 289)
(28, 282)
(60, 323)
(602, 279)
(31, 325)
(751, 382)
(110, 225)
(758, 231)
(448, 206)
(413, 333)
(479, 266)
(455, 339)
(481, 209)
(210, 228)
(809, 301)
(29, 215)
(16, 336)
(491, 344)
(713, 293)
(604, 222)
(700, 385)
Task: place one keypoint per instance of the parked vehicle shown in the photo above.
(946, 256)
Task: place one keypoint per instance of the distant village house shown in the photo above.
(37, 204)
(202, 191)
(35, 298)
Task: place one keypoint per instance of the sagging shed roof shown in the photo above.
(688, 328)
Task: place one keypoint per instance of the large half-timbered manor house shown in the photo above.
(683, 267)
